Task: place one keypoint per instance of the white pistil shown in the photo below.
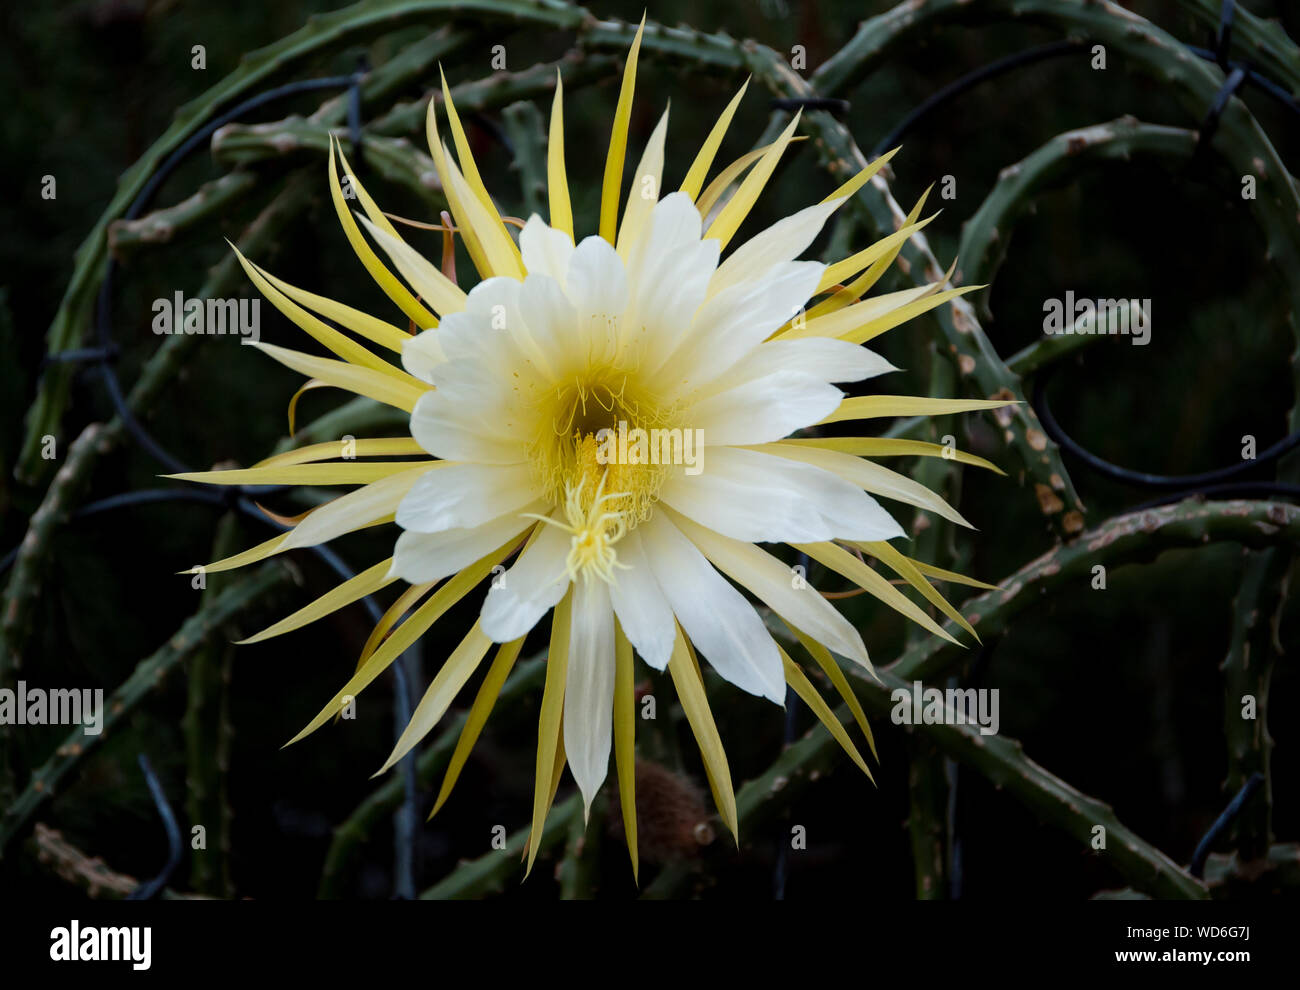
(594, 533)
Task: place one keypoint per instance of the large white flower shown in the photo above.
(616, 414)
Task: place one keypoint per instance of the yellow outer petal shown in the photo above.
(832, 670)
(858, 181)
(859, 287)
(715, 190)
(387, 281)
(442, 162)
(639, 205)
(333, 449)
(478, 715)
(304, 474)
(613, 180)
(557, 181)
(728, 221)
(341, 344)
(803, 687)
(871, 477)
(699, 169)
(250, 556)
(893, 447)
(549, 739)
(904, 568)
(842, 562)
(442, 691)
(392, 615)
(369, 581)
(939, 574)
(488, 224)
(878, 406)
(625, 740)
(854, 263)
(408, 632)
(424, 276)
(370, 327)
(499, 252)
(363, 381)
(695, 703)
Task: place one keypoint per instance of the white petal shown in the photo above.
(545, 250)
(778, 587)
(723, 626)
(493, 334)
(527, 591)
(482, 331)
(875, 478)
(755, 497)
(822, 358)
(461, 496)
(668, 272)
(738, 319)
(551, 319)
(764, 409)
(355, 509)
(785, 240)
(596, 280)
(422, 557)
(589, 687)
(442, 426)
(597, 287)
(639, 603)
(674, 226)
(421, 354)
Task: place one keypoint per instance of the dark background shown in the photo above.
(1116, 692)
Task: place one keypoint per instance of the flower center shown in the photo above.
(594, 531)
(585, 464)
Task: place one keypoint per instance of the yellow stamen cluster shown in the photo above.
(566, 457)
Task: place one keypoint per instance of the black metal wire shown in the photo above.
(1230, 813)
(150, 889)
(1143, 479)
(1254, 78)
(1237, 73)
(970, 81)
(1206, 132)
(1223, 36)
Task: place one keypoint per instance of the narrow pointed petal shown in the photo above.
(695, 704)
(386, 280)
(557, 182)
(613, 180)
(699, 170)
(803, 687)
(625, 741)
(548, 723)
(737, 209)
(477, 717)
(442, 691)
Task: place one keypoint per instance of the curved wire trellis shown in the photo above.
(1216, 482)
